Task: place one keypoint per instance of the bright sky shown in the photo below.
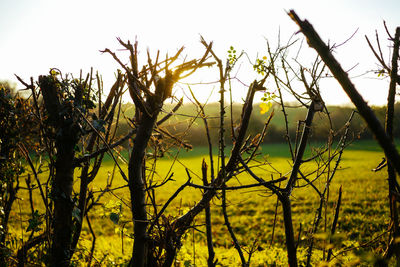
(37, 35)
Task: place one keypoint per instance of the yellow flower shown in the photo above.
(265, 107)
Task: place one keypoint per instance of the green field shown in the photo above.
(363, 219)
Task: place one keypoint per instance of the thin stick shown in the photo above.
(93, 241)
(335, 220)
(210, 246)
(230, 229)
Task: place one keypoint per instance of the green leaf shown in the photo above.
(76, 213)
(21, 170)
(114, 217)
(34, 222)
(99, 125)
(77, 149)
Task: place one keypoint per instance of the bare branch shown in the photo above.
(365, 111)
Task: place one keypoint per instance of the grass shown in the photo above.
(364, 213)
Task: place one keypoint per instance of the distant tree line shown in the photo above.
(339, 115)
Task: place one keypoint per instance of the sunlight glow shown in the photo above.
(39, 35)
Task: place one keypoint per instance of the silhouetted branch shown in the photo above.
(393, 184)
(22, 252)
(365, 111)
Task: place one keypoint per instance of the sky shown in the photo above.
(37, 35)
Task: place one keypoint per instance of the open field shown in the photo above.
(363, 219)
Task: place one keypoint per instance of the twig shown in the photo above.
(230, 229)
(106, 148)
(260, 183)
(176, 139)
(105, 142)
(29, 160)
(203, 116)
(166, 117)
(274, 74)
(174, 195)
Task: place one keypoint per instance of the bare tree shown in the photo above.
(148, 91)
